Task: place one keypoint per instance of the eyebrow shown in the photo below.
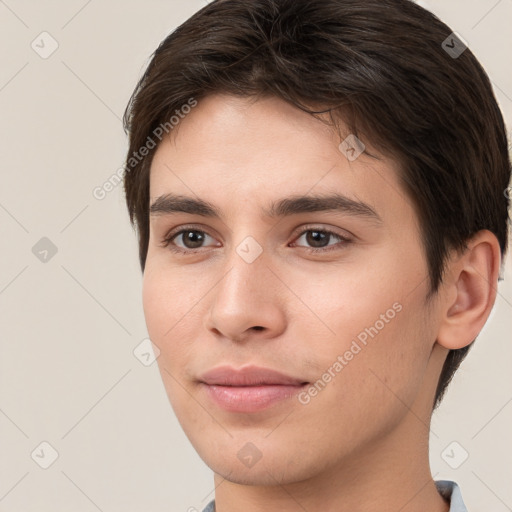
(170, 203)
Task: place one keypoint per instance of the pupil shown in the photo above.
(315, 238)
(193, 239)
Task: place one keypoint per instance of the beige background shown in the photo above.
(69, 326)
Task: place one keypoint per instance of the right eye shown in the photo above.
(186, 240)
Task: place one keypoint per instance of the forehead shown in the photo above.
(241, 151)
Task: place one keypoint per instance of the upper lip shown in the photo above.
(247, 376)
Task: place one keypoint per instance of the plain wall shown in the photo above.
(69, 326)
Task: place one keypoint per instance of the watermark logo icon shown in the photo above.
(454, 455)
(44, 250)
(44, 45)
(352, 147)
(44, 455)
(146, 352)
(249, 249)
(454, 45)
(249, 455)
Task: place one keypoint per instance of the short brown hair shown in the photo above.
(382, 67)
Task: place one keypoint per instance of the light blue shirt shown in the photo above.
(448, 490)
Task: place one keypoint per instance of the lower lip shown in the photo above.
(250, 398)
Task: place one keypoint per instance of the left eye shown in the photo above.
(319, 238)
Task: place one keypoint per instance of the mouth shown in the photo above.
(248, 389)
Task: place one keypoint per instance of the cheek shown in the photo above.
(375, 384)
(346, 302)
(374, 323)
(162, 312)
(174, 314)
(168, 297)
(167, 318)
(155, 302)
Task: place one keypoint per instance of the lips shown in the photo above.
(248, 376)
(248, 389)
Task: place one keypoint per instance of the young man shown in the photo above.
(318, 189)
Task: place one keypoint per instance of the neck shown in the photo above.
(389, 476)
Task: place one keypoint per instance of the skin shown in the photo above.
(362, 442)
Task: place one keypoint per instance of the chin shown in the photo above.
(257, 476)
(269, 467)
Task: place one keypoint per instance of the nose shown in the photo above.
(247, 302)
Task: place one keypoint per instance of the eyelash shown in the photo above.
(168, 240)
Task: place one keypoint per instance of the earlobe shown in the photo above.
(470, 291)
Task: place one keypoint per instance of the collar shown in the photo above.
(447, 489)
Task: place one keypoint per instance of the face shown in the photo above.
(293, 333)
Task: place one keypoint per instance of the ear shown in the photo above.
(470, 288)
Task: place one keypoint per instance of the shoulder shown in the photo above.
(210, 507)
